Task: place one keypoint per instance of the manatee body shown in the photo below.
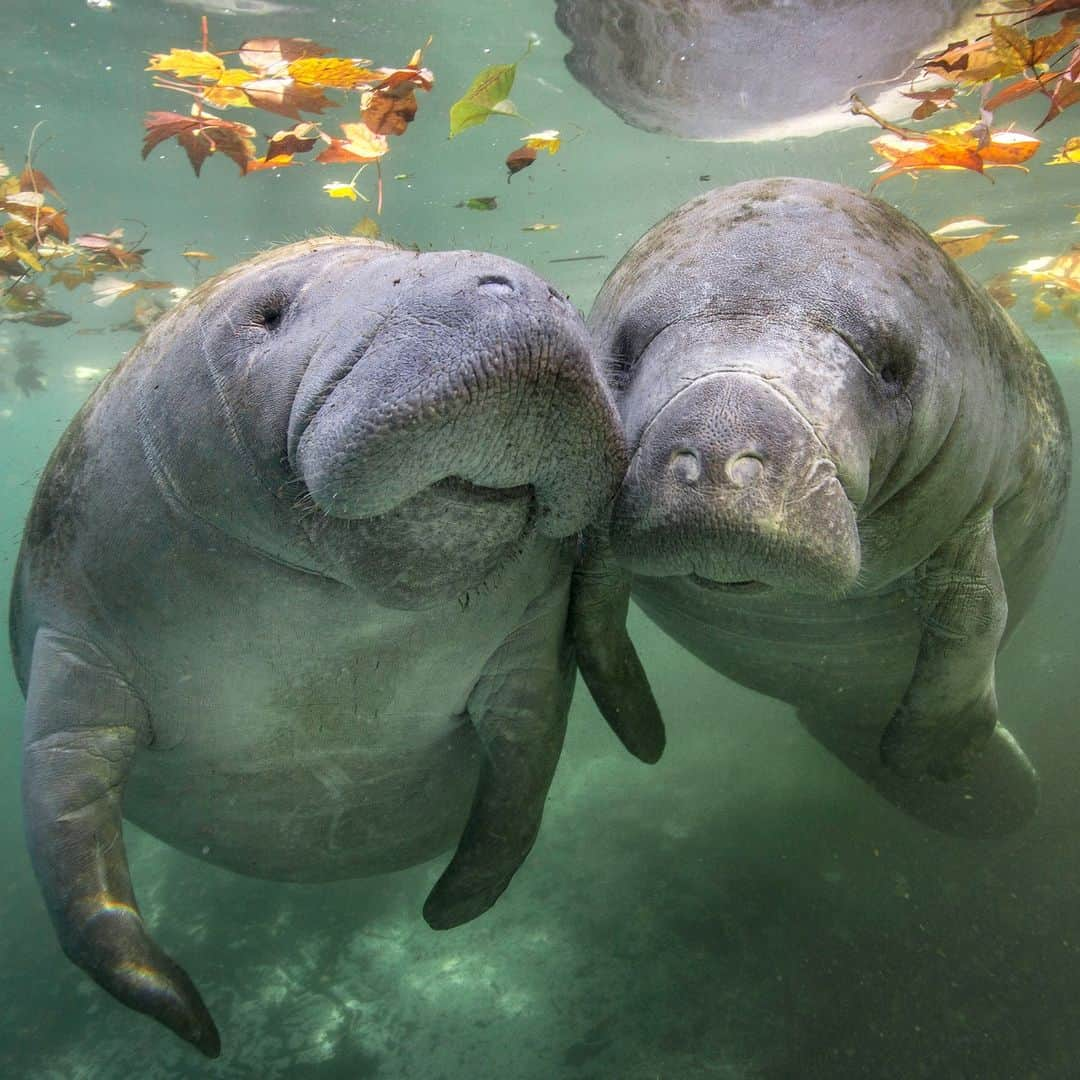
(733, 70)
(847, 478)
(293, 590)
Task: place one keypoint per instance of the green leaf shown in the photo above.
(486, 96)
(479, 202)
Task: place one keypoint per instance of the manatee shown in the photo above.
(292, 594)
(746, 70)
(847, 477)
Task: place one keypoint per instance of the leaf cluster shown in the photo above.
(37, 254)
(289, 77)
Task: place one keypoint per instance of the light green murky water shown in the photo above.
(744, 909)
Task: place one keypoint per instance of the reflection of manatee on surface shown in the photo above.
(734, 70)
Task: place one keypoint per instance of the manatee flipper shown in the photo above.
(949, 709)
(83, 722)
(606, 657)
(518, 710)
(1000, 795)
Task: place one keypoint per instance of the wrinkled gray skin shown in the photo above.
(293, 591)
(847, 478)
(747, 69)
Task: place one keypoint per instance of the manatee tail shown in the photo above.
(999, 796)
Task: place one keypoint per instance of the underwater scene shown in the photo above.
(299, 592)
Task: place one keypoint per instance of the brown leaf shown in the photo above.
(388, 113)
(519, 159)
(1066, 93)
(1021, 89)
(201, 136)
(287, 98)
(295, 140)
(35, 180)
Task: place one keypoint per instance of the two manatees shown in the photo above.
(847, 479)
(293, 592)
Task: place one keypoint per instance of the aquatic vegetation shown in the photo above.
(35, 243)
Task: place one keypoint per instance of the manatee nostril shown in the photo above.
(496, 283)
(743, 469)
(686, 466)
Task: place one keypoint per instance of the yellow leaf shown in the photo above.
(539, 226)
(1069, 154)
(338, 190)
(23, 253)
(331, 71)
(226, 97)
(188, 64)
(543, 140)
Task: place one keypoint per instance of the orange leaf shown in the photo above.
(934, 156)
(1019, 90)
(1009, 148)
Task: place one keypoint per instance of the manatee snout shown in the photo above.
(730, 484)
(477, 373)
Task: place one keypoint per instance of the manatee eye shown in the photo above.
(269, 313)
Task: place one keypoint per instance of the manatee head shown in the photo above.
(406, 422)
(730, 70)
(782, 357)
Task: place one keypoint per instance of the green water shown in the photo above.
(746, 908)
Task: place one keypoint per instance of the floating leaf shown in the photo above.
(1066, 94)
(187, 64)
(543, 140)
(296, 140)
(519, 159)
(331, 71)
(1069, 154)
(270, 53)
(108, 289)
(488, 95)
(286, 97)
(388, 112)
(200, 135)
(479, 202)
(31, 199)
(965, 236)
(538, 226)
(360, 145)
(336, 189)
(930, 101)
